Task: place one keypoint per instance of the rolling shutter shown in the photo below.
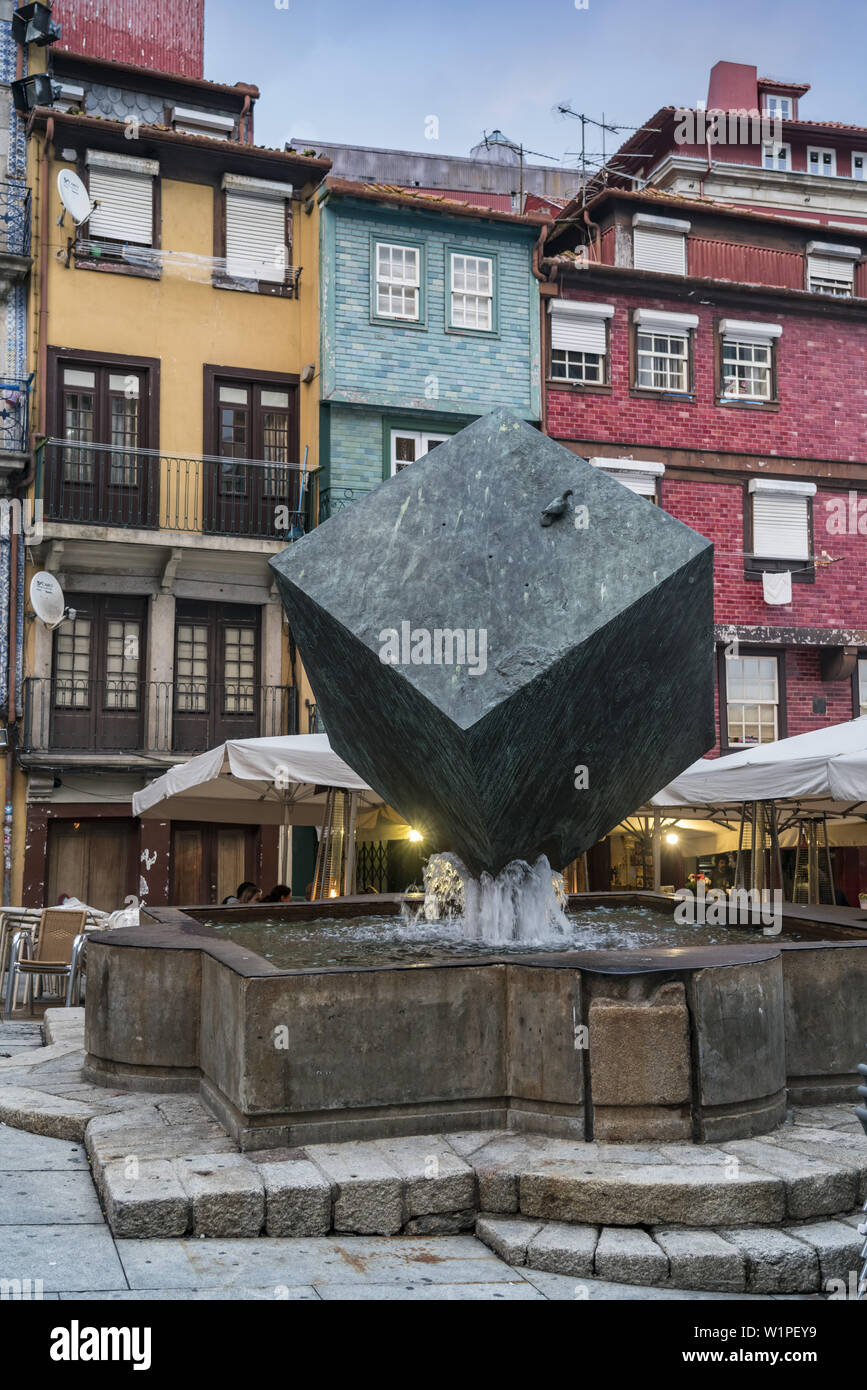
(781, 527)
(657, 250)
(577, 333)
(640, 477)
(256, 228)
(833, 268)
(124, 189)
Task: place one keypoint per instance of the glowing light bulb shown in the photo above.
(671, 838)
(415, 836)
(333, 893)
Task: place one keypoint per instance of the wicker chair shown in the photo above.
(58, 953)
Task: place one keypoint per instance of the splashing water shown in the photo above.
(523, 903)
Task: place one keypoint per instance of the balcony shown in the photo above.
(14, 414)
(14, 222)
(142, 489)
(111, 718)
(334, 499)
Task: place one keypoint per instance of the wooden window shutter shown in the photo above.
(656, 249)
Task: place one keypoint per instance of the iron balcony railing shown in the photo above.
(334, 499)
(15, 218)
(14, 414)
(110, 485)
(126, 715)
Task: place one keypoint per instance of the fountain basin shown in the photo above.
(701, 1043)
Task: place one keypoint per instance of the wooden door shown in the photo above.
(92, 860)
(105, 476)
(98, 694)
(217, 691)
(210, 861)
(255, 426)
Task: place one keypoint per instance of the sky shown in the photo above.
(374, 73)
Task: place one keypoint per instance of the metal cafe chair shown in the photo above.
(58, 953)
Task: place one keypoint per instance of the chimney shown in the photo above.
(733, 87)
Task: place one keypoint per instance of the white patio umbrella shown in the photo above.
(255, 781)
(821, 771)
(816, 782)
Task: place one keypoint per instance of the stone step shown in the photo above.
(801, 1257)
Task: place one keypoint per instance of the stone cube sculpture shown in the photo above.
(511, 687)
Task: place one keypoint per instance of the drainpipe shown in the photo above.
(21, 486)
(706, 172)
(595, 227)
(536, 264)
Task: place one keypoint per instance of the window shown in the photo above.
(752, 699)
(408, 446)
(639, 476)
(831, 268)
(747, 359)
(778, 106)
(472, 292)
(579, 345)
(662, 358)
(122, 187)
(862, 686)
(859, 166)
(239, 665)
(72, 665)
(821, 161)
(777, 156)
(257, 239)
(191, 667)
(659, 243)
(781, 518)
(189, 121)
(122, 663)
(397, 281)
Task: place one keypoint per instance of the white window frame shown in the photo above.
(774, 105)
(793, 498)
(862, 155)
(579, 333)
(758, 705)
(821, 151)
(480, 298)
(423, 438)
(391, 281)
(748, 337)
(773, 150)
(862, 685)
(641, 476)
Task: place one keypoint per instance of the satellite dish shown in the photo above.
(47, 599)
(74, 196)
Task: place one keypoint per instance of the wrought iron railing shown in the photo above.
(124, 714)
(334, 499)
(14, 413)
(110, 485)
(15, 218)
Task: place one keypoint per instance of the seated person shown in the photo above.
(249, 893)
(280, 893)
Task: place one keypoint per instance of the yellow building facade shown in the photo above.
(174, 334)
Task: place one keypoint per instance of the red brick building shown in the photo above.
(715, 359)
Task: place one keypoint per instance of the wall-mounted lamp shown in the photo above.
(30, 92)
(308, 373)
(33, 24)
